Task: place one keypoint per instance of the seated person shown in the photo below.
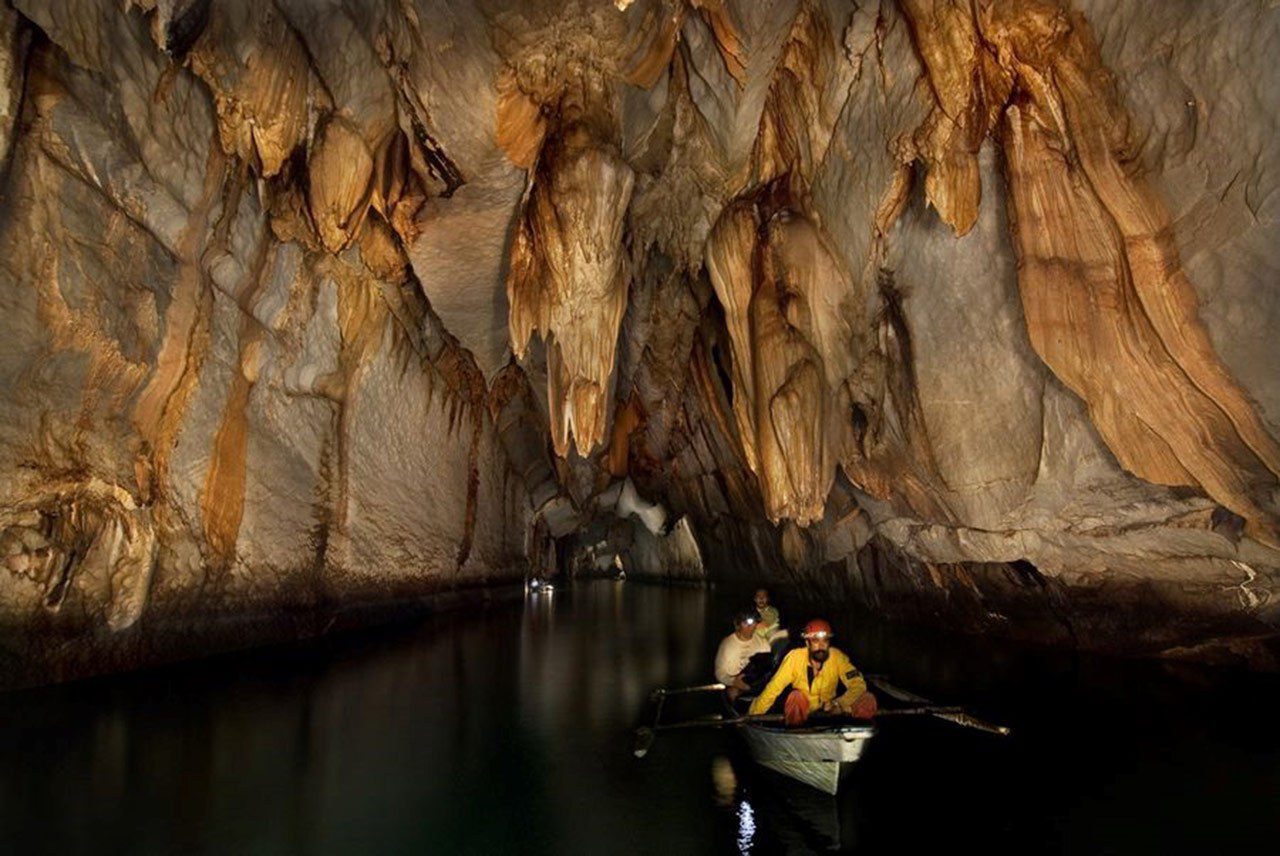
(770, 627)
(743, 661)
(814, 673)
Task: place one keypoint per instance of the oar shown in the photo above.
(645, 735)
(704, 688)
(882, 684)
(970, 721)
(955, 715)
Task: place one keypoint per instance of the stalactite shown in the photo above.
(262, 96)
(785, 297)
(788, 301)
(568, 277)
(668, 18)
(339, 181)
(1107, 303)
(969, 90)
(794, 126)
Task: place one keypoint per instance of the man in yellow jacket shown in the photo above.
(815, 673)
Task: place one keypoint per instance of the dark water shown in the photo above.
(505, 730)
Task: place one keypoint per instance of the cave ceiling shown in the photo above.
(301, 294)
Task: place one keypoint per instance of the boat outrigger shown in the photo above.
(818, 754)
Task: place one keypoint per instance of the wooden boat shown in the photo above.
(819, 756)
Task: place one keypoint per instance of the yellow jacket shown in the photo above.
(794, 672)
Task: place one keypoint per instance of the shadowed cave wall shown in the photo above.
(961, 310)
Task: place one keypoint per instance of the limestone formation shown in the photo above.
(567, 276)
(961, 309)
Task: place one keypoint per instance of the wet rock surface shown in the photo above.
(958, 309)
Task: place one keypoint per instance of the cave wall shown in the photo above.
(957, 308)
(225, 393)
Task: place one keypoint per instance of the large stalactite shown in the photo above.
(1107, 304)
(568, 277)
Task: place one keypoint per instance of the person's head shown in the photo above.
(744, 624)
(817, 638)
(761, 598)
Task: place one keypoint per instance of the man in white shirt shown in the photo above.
(734, 666)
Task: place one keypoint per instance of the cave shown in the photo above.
(326, 323)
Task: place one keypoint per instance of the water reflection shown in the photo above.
(775, 814)
(616, 645)
(724, 781)
(746, 827)
(795, 818)
(488, 731)
(506, 730)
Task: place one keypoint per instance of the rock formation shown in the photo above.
(960, 309)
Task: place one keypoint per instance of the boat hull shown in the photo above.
(817, 757)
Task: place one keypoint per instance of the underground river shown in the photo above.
(505, 728)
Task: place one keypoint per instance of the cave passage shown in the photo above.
(328, 326)
(505, 729)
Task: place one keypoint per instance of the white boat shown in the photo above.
(818, 756)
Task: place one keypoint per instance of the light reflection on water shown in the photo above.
(602, 670)
(505, 729)
(746, 827)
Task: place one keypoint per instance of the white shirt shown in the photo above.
(733, 655)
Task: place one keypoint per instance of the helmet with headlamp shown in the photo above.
(817, 629)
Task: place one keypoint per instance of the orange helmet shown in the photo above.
(817, 629)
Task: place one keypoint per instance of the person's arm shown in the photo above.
(854, 684)
(724, 663)
(780, 681)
